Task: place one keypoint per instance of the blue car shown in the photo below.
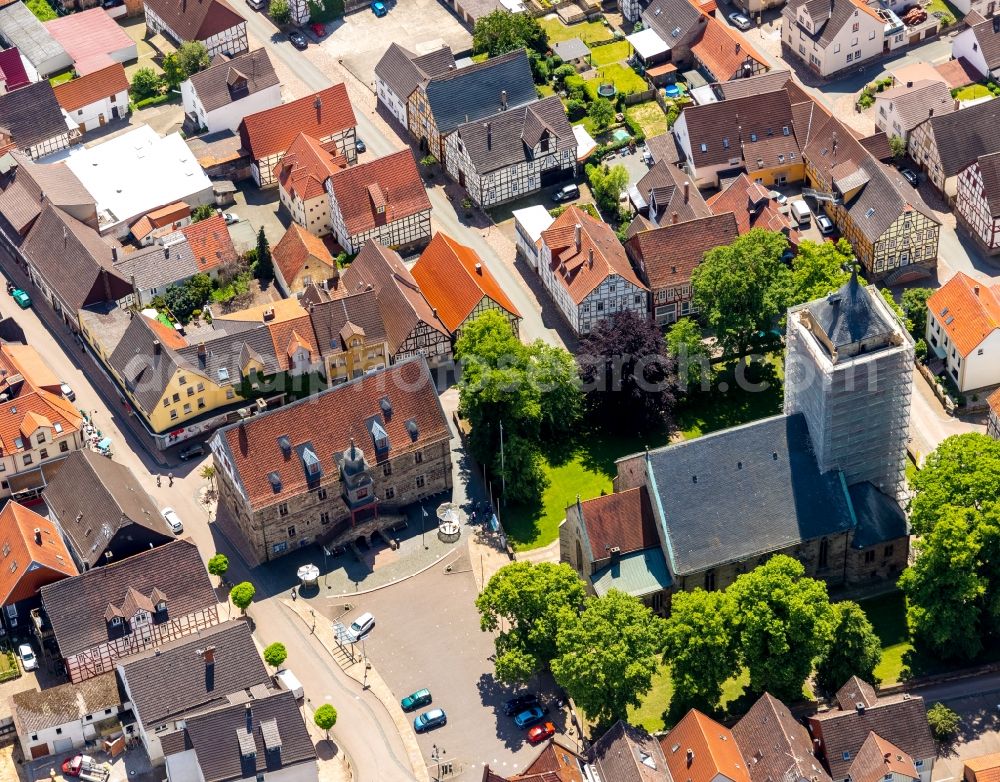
(529, 717)
(434, 718)
(379, 9)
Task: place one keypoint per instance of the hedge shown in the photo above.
(156, 100)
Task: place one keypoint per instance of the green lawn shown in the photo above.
(545, 90)
(624, 78)
(61, 78)
(41, 9)
(887, 613)
(948, 8)
(652, 713)
(609, 53)
(972, 92)
(650, 117)
(585, 31)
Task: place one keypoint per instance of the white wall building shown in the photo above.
(963, 330)
(219, 97)
(529, 223)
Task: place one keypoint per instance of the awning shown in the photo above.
(661, 70)
(584, 143)
(27, 481)
(647, 43)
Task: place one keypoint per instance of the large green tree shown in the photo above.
(785, 622)
(736, 287)
(963, 472)
(189, 58)
(500, 32)
(915, 309)
(606, 185)
(608, 654)
(521, 604)
(685, 345)
(818, 268)
(701, 647)
(856, 649)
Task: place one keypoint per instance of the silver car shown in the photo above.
(740, 21)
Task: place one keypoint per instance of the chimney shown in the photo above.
(687, 190)
(318, 104)
(479, 269)
(737, 48)
(616, 554)
(38, 537)
(958, 104)
(690, 756)
(156, 347)
(578, 236)
(673, 218)
(208, 655)
(860, 707)
(489, 135)
(114, 255)
(590, 257)
(503, 100)
(202, 354)
(909, 84)
(930, 112)
(269, 314)
(975, 289)
(249, 714)
(166, 252)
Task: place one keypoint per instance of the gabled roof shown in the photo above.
(454, 280)
(669, 254)
(622, 519)
(14, 74)
(828, 17)
(93, 498)
(306, 166)
(916, 101)
(75, 606)
(672, 191)
(628, 754)
(675, 21)
(968, 311)
(474, 92)
(724, 52)
(35, 553)
(32, 114)
(664, 149)
(298, 250)
(159, 218)
(989, 169)
(330, 318)
(752, 207)
(987, 33)
(232, 80)
(554, 763)
(985, 768)
(90, 37)
(54, 707)
(404, 71)
(877, 145)
(776, 746)
(699, 749)
(753, 85)
(22, 29)
(92, 87)
(210, 242)
(962, 136)
(581, 266)
(879, 759)
(319, 115)
(379, 192)
(196, 20)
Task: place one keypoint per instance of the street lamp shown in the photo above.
(436, 754)
(423, 525)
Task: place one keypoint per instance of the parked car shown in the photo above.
(191, 452)
(67, 392)
(289, 681)
(359, 145)
(23, 299)
(257, 5)
(740, 21)
(361, 626)
(825, 224)
(84, 764)
(379, 9)
(541, 732)
(28, 660)
(434, 718)
(567, 193)
(519, 703)
(801, 213)
(173, 520)
(299, 41)
(781, 198)
(529, 717)
(230, 217)
(416, 700)
(910, 176)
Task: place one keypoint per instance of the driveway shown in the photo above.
(360, 39)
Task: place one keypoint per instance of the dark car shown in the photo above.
(910, 176)
(298, 40)
(519, 703)
(416, 700)
(191, 452)
(359, 145)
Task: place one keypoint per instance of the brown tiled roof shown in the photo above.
(581, 269)
(724, 51)
(699, 749)
(454, 280)
(987, 33)
(36, 554)
(966, 316)
(53, 707)
(32, 114)
(75, 606)
(330, 317)
(664, 149)
(877, 146)
(667, 255)
(555, 763)
(855, 690)
(210, 242)
(623, 519)
(775, 745)
(962, 136)
(958, 73)
(751, 208)
(306, 166)
(989, 169)
(196, 20)
(391, 183)
(879, 759)
(993, 400)
(95, 86)
(319, 115)
(753, 85)
(235, 79)
(300, 250)
(628, 754)
(403, 71)
(919, 101)
(158, 218)
(289, 336)
(985, 768)
(673, 192)
(253, 449)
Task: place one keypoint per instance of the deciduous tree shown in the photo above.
(189, 58)
(500, 32)
(856, 649)
(602, 112)
(218, 565)
(202, 212)
(818, 268)
(606, 185)
(943, 722)
(898, 147)
(962, 472)
(145, 84)
(242, 595)
(915, 309)
(325, 718)
(684, 344)
(275, 654)
(280, 12)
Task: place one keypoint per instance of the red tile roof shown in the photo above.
(210, 242)
(290, 335)
(158, 218)
(319, 115)
(292, 254)
(454, 281)
(391, 183)
(880, 759)
(31, 559)
(571, 263)
(623, 519)
(968, 311)
(752, 208)
(985, 768)
(668, 254)
(723, 50)
(699, 749)
(12, 68)
(306, 166)
(95, 86)
(993, 400)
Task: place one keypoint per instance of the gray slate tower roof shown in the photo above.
(851, 321)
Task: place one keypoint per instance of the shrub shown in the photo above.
(156, 101)
(145, 84)
(575, 109)
(943, 721)
(281, 12)
(601, 112)
(575, 87)
(866, 101)
(635, 129)
(559, 74)
(920, 350)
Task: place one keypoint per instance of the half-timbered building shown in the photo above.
(349, 332)
(585, 271)
(384, 200)
(977, 202)
(993, 417)
(400, 72)
(213, 23)
(32, 120)
(725, 55)
(513, 153)
(111, 612)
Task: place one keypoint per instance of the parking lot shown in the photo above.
(427, 635)
(360, 39)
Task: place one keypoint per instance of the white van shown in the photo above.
(801, 213)
(288, 681)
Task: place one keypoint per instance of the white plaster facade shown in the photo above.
(389, 99)
(67, 736)
(313, 214)
(979, 368)
(228, 117)
(860, 39)
(966, 45)
(100, 112)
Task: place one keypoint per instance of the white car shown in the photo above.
(740, 20)
(360, 627)
(825, 224)
(781, 198)
(173, 520)
(28, 660)
(230, 217)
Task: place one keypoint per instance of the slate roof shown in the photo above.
(472, 93)
(699, 749)
(963, 136)
(252, 445)
(194, 683)
(913, 104)
(404, 71)
(329, 319)
(776, 746)
(753, 85)
(672, 191)
(92, 87)
(664, 149)
(211, 243)
(32, 114)
(273, 130)
(93, 497)
(454, 280)
(623, 519)
(391, 183)
(850, 315)
(966, 316)
(76, 606)
(669, 254)
(744, 492)
(303, 170)
(232, 80)
(31, 562)
(22, 29)
(724, 52)
(297, 249)
(196, 20)
(880, 519)
(879, 759)
(514, 132)
(55, 706)
(12, 68)
(628, 754)
(900, 719)
(216, 738)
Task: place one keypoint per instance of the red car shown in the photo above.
(318, 29)
(541, 732)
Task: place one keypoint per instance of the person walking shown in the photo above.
(170, 479)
